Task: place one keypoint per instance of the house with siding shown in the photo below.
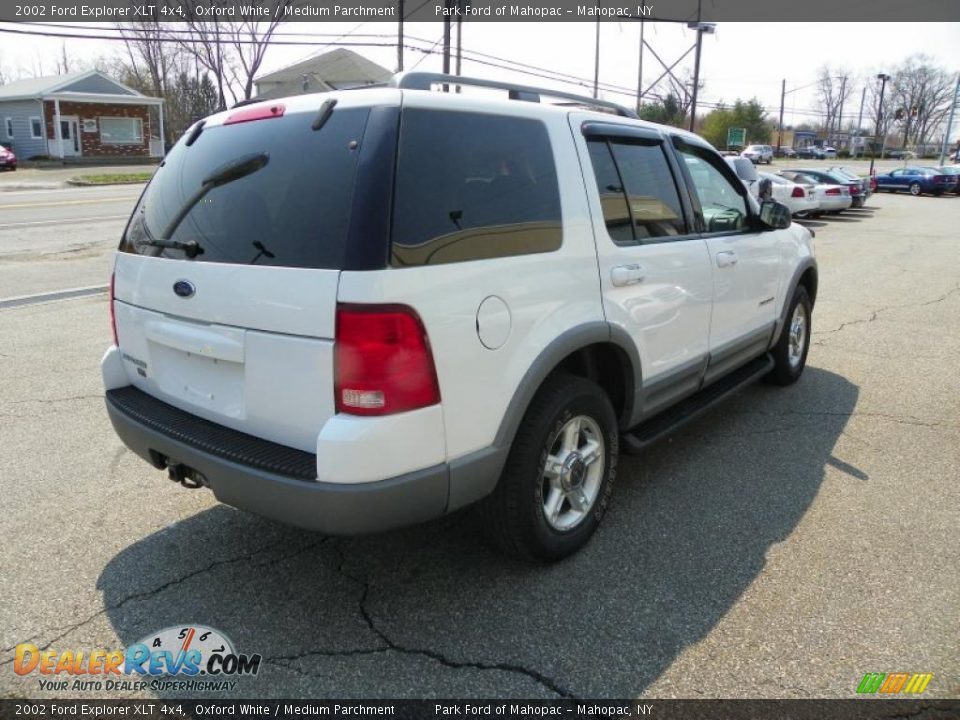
(85, 115)
(339, 69)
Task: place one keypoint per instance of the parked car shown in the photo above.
(758, 154)
(810, 153)
(800, 198)
(829, 153)
(866, 186)
(8, 160)
(896, 154)
(954, 171)
(854, 185)
(917, 180)
(363, 309)
(785, 152)
(745, 170)
(832, 198)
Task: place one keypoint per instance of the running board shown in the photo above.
(649, 431)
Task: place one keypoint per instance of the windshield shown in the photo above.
(293, 211)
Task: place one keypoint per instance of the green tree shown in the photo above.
(665, 112)
(744, 114)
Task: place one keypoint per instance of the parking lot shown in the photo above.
(781, 546)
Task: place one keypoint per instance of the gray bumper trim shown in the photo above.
(338, 509)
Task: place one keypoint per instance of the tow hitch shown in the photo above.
(186, 476)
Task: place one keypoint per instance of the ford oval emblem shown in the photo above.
(184, 288)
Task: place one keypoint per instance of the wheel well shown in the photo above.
(609, 367)
(809, 281)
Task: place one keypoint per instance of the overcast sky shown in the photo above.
(742, 60)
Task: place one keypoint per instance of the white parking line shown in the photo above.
(51, 296)
(70, 221)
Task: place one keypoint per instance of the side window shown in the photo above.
(723, 208)
(473, 187)
(638, 194)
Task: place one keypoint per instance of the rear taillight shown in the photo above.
(833, 191)
(113, 315)
(854, 188)
(798, 192)
(263, 112)
(383, 361)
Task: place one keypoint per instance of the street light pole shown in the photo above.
(946, 133)
(883, 78)
(702, 29)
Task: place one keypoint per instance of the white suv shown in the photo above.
(758, 154)
(369, 308)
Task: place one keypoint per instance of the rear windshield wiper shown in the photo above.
(240, 168)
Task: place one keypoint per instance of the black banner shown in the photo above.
(853, 709)
(683, 11)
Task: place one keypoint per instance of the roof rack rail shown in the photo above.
(425, 80)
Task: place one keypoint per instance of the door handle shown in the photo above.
(727, 258)
(626, 275)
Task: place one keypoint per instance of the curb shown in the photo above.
(79, 182)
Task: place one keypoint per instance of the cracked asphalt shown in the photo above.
(781, 546)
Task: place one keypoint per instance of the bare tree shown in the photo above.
(922, 95)
(152, 58)
(231, 51)
(834, 87)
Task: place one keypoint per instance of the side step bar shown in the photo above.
(649, 431)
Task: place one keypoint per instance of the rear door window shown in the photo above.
(293, 212)
(471, 186)
(638, 194)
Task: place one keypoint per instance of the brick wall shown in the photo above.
(90, 142)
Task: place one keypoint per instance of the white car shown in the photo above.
(800, 198)
(758, 154)
(364, 309)
(831, 198)
(829, 153)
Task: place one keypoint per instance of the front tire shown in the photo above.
(790, 352)
(557, 481)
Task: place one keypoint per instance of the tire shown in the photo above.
(915, 189)
(515, 516)
(788, 359)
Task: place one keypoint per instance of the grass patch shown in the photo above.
(112, 178)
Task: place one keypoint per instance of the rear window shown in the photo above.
(471, 186)
(292, 212)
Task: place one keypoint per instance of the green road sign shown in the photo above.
(736, 137)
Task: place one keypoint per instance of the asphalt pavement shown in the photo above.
(781, 546)
(56, 239)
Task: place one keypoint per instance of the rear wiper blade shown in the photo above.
(239, 168)
(191, 248)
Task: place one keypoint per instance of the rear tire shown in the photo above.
(559, 475)
(915, 189)
(790, 352)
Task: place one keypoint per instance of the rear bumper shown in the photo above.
(269, 479)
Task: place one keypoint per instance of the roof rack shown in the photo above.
(425, 80)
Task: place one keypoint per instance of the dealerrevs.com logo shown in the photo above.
(894, 683)
(184, 657)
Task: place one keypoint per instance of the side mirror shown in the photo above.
(774, 215)
(766, 189)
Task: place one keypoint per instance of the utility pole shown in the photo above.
(400, 36)
(863, 99)
(953, 110)
(640, 71)
(843, 93)
(783, 98)
(596, 63)
(446, 41)
(882, 77)
(702, 29)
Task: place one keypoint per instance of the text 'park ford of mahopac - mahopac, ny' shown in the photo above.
(542, 11)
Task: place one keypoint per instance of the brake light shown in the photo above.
(833, 191)
(383, 361)
(113, 315)
(798, 192)
(264, 112)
